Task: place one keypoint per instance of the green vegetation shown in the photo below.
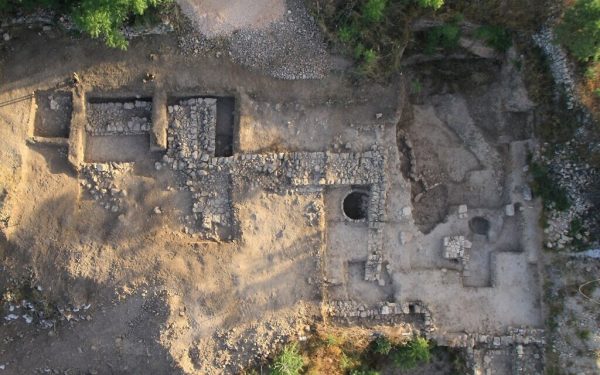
(382, 345)
(331, 340)
(416, 86)
(373, 10)
(99, 18)
(579, 30)
(495, 36)
(412, 354)
(584, 334)
(434, 4)
(288, 362)
(445, 37)
(374, 32)
(548, 190)
(364, 372)
(336, 351)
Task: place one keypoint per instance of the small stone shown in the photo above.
(527, 194)
(157, 210)
(378, 116)
(509, 210)
(406, 211)
(6, 37)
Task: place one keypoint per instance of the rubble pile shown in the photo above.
(117, 118)
(99, 181)
(192, 129)
(454, 247)
(576, 179)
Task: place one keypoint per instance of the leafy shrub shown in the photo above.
(104, 18)
(99, 18)
(382, 345)
(548, 190)
(373, 10)
(331, 340)
(288, 362)
(445, 36)
(434, 4)
(579, 30)
(495, 36)
(348, 33)
(415, 352)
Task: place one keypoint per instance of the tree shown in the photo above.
(579, 30)
(99, 18)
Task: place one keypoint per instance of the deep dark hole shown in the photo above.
(479, 225)
(225, 126)
(356, 205)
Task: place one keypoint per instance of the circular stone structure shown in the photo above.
(479, 225)
(356, 205)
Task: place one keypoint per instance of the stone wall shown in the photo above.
(119, 118)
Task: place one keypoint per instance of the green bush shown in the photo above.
(382, 345)
(579, 30)
(99, 18)
(548, 190)
(348, 33)
(445, 36)
(415, 352)
(373, 10)
(495, 36)
(288, 362)
(434, 4)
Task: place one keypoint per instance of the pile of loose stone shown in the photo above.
(117, 118)
(559, 63)
(191, 139)
(41, 313)
(192, 129)
(98, 179)
(576, 179)
(454, 247)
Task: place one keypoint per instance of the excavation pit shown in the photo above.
(118, 116)
(116, 148)
(213, 117)
(479, 225)
(53, 114)
(225, 126)
(356, 205)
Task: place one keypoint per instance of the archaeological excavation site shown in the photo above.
(260, 187)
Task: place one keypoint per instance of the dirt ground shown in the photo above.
(102, 289)
(218, 17)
